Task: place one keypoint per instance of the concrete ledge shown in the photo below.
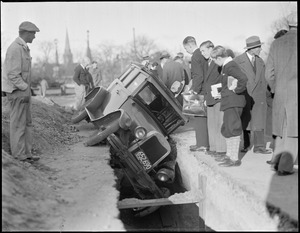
(237, 197)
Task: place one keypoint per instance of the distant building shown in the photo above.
(68, 65)
(88, 50)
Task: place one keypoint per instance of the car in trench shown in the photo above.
(136, 115)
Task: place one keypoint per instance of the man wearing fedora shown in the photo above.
(16, 80)
(282, 76)
(255, 112)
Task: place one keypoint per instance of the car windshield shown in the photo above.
(151, 98)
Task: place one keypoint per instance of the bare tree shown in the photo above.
(279, 24)
(46, 48)
(144, 46)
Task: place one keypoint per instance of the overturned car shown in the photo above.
(136, 115)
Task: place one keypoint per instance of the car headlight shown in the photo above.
(165, 175)
(140, 132)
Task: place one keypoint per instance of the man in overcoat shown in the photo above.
(171, 71)
(255, 111)
(16, 82)
(282, 76)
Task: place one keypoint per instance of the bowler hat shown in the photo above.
(252, 42)
(164, 55)
(292, 19)
(28, 26)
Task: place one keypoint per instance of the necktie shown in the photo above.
(253, 60)
(253, 63)
(209, 61)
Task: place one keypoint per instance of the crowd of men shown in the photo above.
(260, 103)
(245, 97)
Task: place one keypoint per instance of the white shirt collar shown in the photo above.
(24, 43)
(249, 56)
(228, 59)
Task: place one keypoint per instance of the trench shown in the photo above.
(181, 217)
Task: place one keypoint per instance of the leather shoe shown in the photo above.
(269, 162)
(211, 153)
(284, 173)
(193, 146)
(35, 157)
(201, 148)
(219, 154)
(245, 150)
(223, 158)
(261, 150)
(28, 160)
(231, 163)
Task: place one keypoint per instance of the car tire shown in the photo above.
(79, 117)
(101, 135)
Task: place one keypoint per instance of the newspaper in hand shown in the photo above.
(231, 83)
(214, 90)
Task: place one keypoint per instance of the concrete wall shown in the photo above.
(230, 206)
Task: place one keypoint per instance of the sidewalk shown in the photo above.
(237, 197)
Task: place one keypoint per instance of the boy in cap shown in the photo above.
(16, 80)
(232, 103)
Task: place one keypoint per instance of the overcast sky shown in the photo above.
(167, 23)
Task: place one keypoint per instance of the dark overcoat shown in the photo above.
(211, 76)
(257, 89)
(229, 98)
(282, 76)
(172, 71)
(197, 71)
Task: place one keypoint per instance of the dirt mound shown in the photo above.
(28, 193)
(51, 126)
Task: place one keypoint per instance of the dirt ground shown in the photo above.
(59, 189)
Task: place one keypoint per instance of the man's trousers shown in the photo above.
(20, 123)
(214, 123)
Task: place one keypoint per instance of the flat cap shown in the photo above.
(28, 26)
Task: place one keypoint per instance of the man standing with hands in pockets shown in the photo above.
(16, 79)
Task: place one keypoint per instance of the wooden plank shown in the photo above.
(177, 199)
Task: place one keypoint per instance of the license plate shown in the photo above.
(142, 158)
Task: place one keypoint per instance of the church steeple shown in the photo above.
(68, 56)
(88, 50)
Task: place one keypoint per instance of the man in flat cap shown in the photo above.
(255, 112)
(282, 76)
(16, 79)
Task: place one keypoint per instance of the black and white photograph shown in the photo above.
(149, 116)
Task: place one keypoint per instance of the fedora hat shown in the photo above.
(252, 42)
